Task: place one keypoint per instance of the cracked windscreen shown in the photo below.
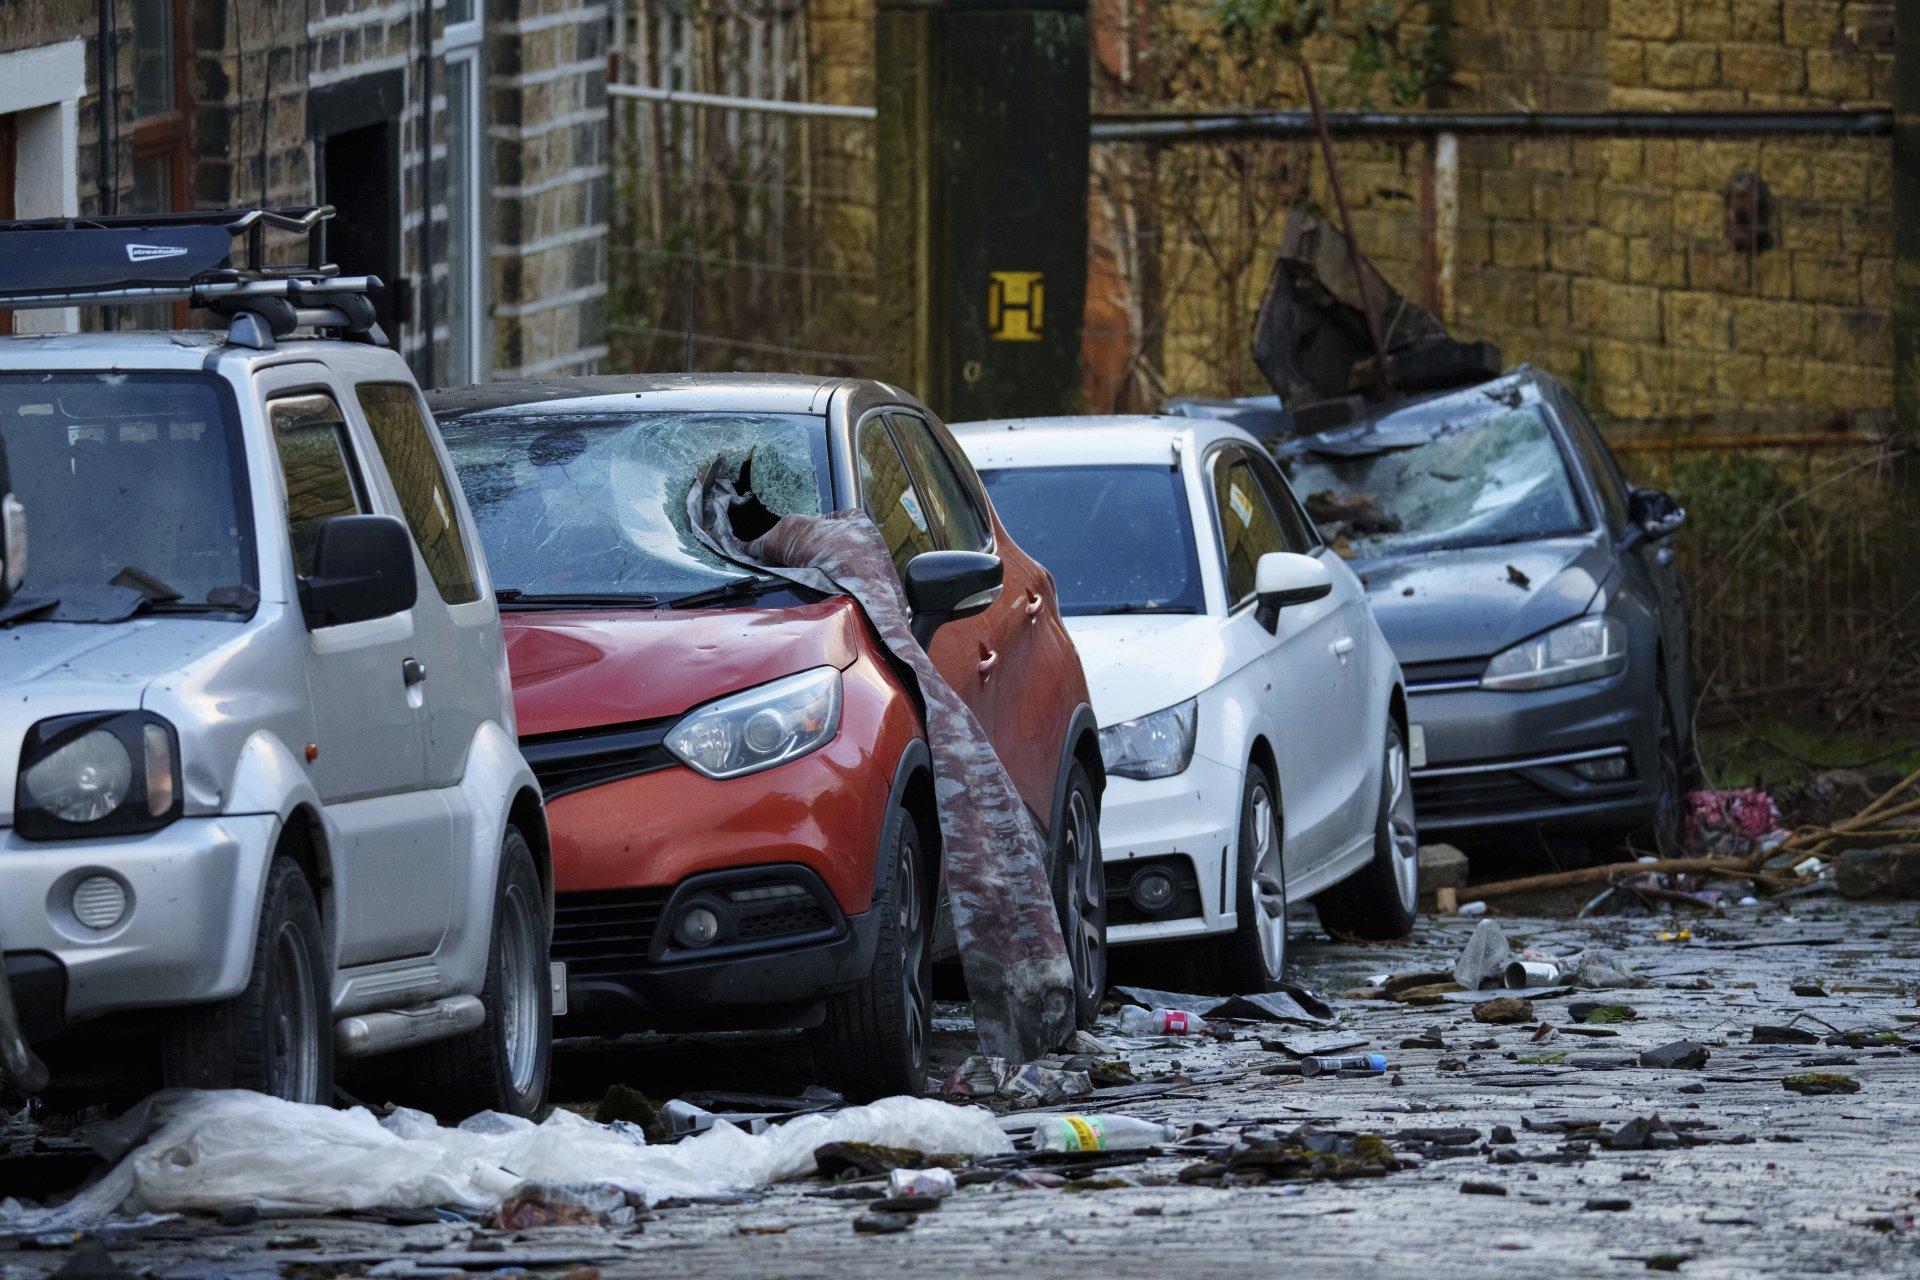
(1477, 473)
(1116, 539)
(595, 504)
(133, 484)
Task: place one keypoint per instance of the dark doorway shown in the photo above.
(360, 177)
(9, 160)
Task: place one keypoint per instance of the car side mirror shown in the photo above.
(1655, 512)
(945, 586)
(362, 569)
(1282, 578)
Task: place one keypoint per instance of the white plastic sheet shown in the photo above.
(216, 1149)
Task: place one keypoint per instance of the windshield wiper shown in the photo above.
(519, 599)
(1145, 608)
(735, 589)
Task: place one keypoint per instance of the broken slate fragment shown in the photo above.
(882, 1224)
(1816, 1083)
(1682, 1055)
(1607, 1204)
(1504, 1011)
(1784, 1035)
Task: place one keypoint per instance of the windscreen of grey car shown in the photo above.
(1483, 472)
(131, 483)
(596, 503)
(1116, 539)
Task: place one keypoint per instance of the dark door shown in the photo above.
(8, 158)
(360, 177)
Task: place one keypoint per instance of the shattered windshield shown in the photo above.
(1115, 539)
(132, 485)
(595, 504)
(1471, 472)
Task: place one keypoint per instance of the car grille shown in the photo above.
(606, 930)
(576, 760)
(802, 916)
(1468, 795)
(1453, 671)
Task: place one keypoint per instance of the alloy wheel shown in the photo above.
(293, 1024)
(1401, 832)
(1269, 882)
(1085, 879)
(519, 989)
(914, 978)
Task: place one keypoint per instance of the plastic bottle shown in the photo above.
(1135, 1021)
(1373, 1062)
(1100, 1133)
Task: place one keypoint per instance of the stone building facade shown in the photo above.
(464, 142)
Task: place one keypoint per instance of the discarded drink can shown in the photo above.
(1373, 1063)
(1533, 973)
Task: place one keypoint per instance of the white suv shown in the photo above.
(258, 764)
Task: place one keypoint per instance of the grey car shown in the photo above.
(1531, 595)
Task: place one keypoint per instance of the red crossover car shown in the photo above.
(737, 778)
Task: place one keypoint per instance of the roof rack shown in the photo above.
(216, 259)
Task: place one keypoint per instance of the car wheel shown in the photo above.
(875, 1041)
(504, 1063)
(1254, 956)
(1080, 895)
(1668, 829)
(276, 1036)
(1377, 902)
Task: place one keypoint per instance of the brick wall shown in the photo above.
(254, 68)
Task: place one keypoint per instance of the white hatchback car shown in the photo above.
(1253, 719)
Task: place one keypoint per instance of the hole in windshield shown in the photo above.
(131, 485)
(595, 504)
(1439, 477)
(1116, 539)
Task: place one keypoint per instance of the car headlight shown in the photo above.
(116, 773)
(761, 727)
(1584, 649)
(1154, 746)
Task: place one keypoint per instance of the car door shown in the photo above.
(1300, 662)
(1000, 642)
(1355, 755)
(368, 759)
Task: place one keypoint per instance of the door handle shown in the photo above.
(1032, 606)
(413, 672)
(988, 663)
(1342, 647)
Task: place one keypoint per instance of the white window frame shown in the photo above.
(42, 87)
(463, 46)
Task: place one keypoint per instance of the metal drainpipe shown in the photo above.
(103, 102)
(426, 191)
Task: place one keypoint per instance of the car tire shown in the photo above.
(503, 1064)
(1080, 894)
(876, 1039)
(1253, 958)
(276, 1036)
(1667, 829)
(1378, 902)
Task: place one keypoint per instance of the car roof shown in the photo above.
(735, 392)
(1088, 440)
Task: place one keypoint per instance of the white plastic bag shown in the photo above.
(225, 1148)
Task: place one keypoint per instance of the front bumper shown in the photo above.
(1189, 824)
(1503, 761)
(185, 937)
(624, 970)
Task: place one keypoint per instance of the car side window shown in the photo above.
(316, 466)
(1300, 535)
(1599, 463)
(1248, 527)
(887, 493)
(951, 510)
(406, 445)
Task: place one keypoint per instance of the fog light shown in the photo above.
(1152, 890)
(697, 927)
(1606, 769)
(99, 902)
